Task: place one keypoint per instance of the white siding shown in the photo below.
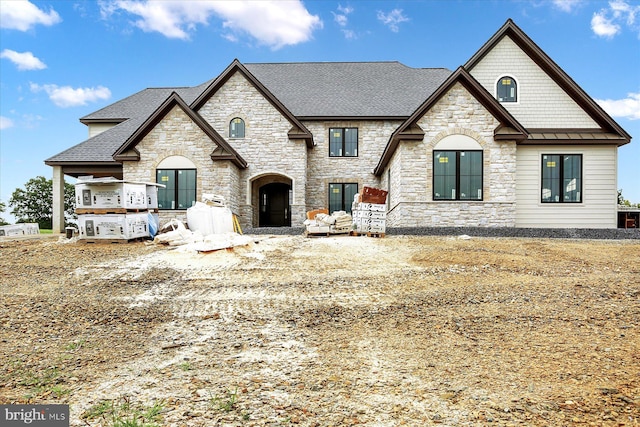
(541, 102)
(98, 128)
(598, 207)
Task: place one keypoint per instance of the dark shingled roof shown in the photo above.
(132, 111)
(308, 90)
(349, 89)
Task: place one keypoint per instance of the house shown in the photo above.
(506, 140)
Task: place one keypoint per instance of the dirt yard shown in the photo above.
(333, 331)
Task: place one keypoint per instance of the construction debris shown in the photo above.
(116, 210)
(322, 223)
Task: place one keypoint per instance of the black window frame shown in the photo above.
(343, 143)
(176, 190)
(499, 85)
(560, 179)
(457, 177)
(346, 203)
(244, 128)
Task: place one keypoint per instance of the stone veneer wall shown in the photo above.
(323, 170)
(266, 146)
(457, 112)
(177, 135)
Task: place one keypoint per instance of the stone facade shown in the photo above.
(266, 147)
(323, 169)
(411, 194)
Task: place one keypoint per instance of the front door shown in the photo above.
(274, 205)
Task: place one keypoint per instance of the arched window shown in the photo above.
(236, 128)
(457, 169)
(178, 175)
(507, 89)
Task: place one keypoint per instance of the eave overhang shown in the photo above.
(98, 121)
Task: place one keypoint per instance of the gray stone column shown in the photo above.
(58, 200)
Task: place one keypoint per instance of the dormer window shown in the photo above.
(507, 89)
(236, 128)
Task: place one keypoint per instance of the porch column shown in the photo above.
(58, 200)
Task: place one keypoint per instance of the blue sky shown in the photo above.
(60, 60)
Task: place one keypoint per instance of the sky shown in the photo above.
(61, 60)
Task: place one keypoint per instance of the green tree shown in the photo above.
(624, 202)
(34, 203)
(3, 207)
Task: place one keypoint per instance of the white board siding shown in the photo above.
(541, 102)
(98, 128)
(599, 189)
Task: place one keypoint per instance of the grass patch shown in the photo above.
(226, 403)
(124, 413)
(46, 231)
(75, 345)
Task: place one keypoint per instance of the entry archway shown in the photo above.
(271, 200)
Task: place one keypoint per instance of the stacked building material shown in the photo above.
(369, 211)
(319, 222)
(116, 210)
(21, 229)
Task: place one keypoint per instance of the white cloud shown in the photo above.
(567, 5)
(628, 107)
(392, 19)
(24, 60)
(22, 15)
(5, 122)
(273, 23)
(342, 17)
(66, 96)
(609, 22)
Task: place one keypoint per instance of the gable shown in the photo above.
(237, 97)
(517, 50)
(508, 127)
(180, 122)
(297, 131)
(542, 103)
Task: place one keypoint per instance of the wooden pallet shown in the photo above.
(308, 234)
(111, 241)
(368, 234)
(107, 211)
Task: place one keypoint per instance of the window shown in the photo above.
(343, 142)
(561, 178)
(236, 128)
(457, 175)
(341, 196)
(180, 190)
(507, 89)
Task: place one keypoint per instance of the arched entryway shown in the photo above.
(274, 206)
(271, 198)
